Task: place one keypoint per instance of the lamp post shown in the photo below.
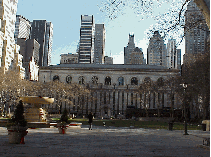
(185, 85)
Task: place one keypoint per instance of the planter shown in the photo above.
(62, 128)
(16, 134)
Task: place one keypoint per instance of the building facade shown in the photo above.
(196, 33)
(108, 60)
(132, 54)
(99, 44)
(156, 51)
(42, 31)
(113, 88)
(136, 56)
(173, 55)
(69, 58)
(22, 28)
(48, 44)
(86, 47)
(8, 11)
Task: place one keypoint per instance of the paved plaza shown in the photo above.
(106, 141)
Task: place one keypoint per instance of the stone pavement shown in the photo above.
(106, 141)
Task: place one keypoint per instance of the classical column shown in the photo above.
(125, 103)
(98, 104)
(120, 102)
(89, 96)
(165, 99)
(156, 100)
(138, 100)
(111, 102)
(76, 103)
(94, 101)
(116, 102)
(129, 98)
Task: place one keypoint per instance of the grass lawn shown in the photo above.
(136, 124)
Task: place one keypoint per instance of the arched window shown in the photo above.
(160, 82)
(81, 80)
(134, 81)
(95, 80)
(56, 78)
(147, 80)
(107, 80)
(68, 79)
(121, 81)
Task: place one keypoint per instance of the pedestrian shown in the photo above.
(90, 116)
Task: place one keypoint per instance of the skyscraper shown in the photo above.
(196, 32)
(42, 31)
(8, 11)
(128, 49)
(86, 47)
(48, 43)
(99, 44)
(156, 51)
(22, 27)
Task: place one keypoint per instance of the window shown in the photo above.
(107, 80)
(95, 80)
(56, 78)
(81, 80)
(121, 81)
(134, 81)
(160, 82)
(147, 80)
(68, 79)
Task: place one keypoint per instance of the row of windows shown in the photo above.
(94, 80)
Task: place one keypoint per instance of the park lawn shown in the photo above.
(128, 123)
(136, 124)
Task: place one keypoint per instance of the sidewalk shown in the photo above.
(106, 141)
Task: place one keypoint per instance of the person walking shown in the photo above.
(90, 116)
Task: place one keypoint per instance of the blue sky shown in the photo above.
(65, 16)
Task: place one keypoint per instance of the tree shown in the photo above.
(171, 23)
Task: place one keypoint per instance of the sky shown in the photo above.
(66, 15)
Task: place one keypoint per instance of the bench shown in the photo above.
(206, 141)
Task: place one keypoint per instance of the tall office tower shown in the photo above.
(156, 51)
(196, 32)
(127, 50)
(22, 28)
(136, 56)
(48, 44)
(38, 30)
(178, 58)
(171, 54)
(99, 44)
(42, 31)
(108, 60)
(86, 47)
(8, 11)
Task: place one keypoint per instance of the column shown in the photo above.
(125, 103)
(129, 98)
(134, 99)
(98, 104)
(116, 102)
(93, 101)
(76, 102)
(111, 102)
(138, 100)
(156, 100)
(120, 102)
(165, 99)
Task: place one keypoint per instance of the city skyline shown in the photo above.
(67, 25)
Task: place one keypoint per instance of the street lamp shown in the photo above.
(185, 85)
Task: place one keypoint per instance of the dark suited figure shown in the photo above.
(90, 116)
